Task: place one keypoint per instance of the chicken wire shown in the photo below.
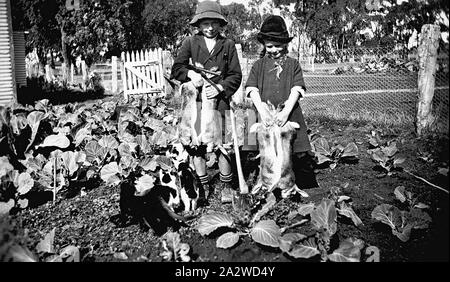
(375, 84)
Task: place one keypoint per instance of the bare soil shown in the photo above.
(85, 219)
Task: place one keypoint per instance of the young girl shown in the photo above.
(210, 50)
(279, 79)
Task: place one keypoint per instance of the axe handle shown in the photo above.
(243, 188)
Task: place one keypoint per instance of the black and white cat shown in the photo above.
(156, 208)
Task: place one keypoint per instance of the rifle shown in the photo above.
(203, 72)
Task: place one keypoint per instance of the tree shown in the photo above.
(278, 3)
(131, 16)
(94, 29)
(166, 22)
(331, 20)
(402, 20)
(39, 19)
(243, 25)
(18, 16)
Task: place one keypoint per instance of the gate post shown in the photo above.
(427, 56)
(114, 74)
(123, 75)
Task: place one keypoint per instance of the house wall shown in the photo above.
(7, 79)
(19, 58)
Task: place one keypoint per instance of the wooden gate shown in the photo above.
(142, 72)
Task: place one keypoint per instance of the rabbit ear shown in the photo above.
(188, 87)
(199, 65)
(256, 127)
(291, 125)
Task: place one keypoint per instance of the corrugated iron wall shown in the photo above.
(19, 58)
(7, 81)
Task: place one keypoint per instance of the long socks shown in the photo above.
(226, 178)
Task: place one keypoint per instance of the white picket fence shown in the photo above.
(142, 72)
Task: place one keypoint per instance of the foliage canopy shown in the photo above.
(100, 28)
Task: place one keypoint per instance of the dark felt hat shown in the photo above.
(274, 29)
(208, 10)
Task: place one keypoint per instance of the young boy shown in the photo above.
(210, 50)
(277, 78)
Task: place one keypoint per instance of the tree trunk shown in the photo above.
(427, 55)
(64, 51)
(84, 73)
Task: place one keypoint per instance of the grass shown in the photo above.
(384, 109)
(363, 116)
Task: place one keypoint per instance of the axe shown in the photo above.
(242, 200)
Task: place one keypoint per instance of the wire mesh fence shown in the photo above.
(379, 85)
(369, 84)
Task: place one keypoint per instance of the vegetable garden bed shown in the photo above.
(368, 209)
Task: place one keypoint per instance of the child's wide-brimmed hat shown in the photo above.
(208, 10)
(274, 29)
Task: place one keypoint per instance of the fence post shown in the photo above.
(48, 73)
(427, 56)
(114, 74)
(64, 72)
(125, 79)
(84, 74)
(72, 70)
(238, 97)
(161, 69)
